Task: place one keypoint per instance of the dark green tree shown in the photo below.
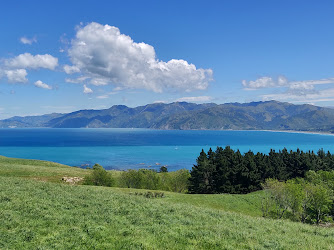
(201, 177)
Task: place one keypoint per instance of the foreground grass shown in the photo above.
(48, 215)
(247, 204)
(45, 214)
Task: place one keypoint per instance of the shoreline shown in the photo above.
(291, 131)
(244, 130)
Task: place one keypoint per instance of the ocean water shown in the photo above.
(144, 148)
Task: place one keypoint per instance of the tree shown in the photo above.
(163, 169)
(179, 180)
(319, 202)
(279, 195)
(201, 175)
(99, 177)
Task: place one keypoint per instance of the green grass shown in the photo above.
(248, 204)
(36, 169)
(46, 214)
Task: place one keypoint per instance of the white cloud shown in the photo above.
(71, 69)
(29, 41)
(76, 80)
(195, 99)
(102, 96)
(99, 81)
(107, 95)
(309, 85)
(40, 84)
(282, 81)
(294, 96)
(293, 91)
(117, 89)
(28, 61)
(160, 101)
(16, 75)
(265, 82)
(109, 57)
(87, 90)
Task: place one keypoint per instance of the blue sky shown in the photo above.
(62, 56)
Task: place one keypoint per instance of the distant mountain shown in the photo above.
(120, 116)
(270, 115)
(28, 121)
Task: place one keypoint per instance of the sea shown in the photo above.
(123, 149)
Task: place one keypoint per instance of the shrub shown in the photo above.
(99, 177)
(177, 181)
(142, 179)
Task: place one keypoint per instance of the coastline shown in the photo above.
(130, 129)
(295, 132)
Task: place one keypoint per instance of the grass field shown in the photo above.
(38, 212)
(38, 170)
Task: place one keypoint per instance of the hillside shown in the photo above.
(43, 214)
(271, 115)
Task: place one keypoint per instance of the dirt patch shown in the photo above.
(71, 180)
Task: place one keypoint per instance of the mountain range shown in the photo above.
(269, 115)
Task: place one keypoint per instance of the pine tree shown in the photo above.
(201, 179)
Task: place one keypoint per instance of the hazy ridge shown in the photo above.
(270, 115)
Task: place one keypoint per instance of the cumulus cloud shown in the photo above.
(282, 81)
(15, 69)
(195, 99)
(40, 84)
(293, 91)
(106, 56)
(265, 82)
(71, 69)
(16, 75)
(87, 90)
(29, 41)
(28, 61)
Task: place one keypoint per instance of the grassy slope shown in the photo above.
(36, 169)
(35, 214)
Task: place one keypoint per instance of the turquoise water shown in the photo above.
(139, 148)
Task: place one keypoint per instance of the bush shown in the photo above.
(177, 181)
(298, 199)
(142, 179)
(99, 177)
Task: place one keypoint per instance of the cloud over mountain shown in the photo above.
(106, 56)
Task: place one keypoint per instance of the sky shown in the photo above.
(62, 56)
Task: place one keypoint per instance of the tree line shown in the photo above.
(176, 181)
(308, 200)
(228, 171)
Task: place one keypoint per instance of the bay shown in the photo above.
(145, 148)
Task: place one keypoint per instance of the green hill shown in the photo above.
(38, 213)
